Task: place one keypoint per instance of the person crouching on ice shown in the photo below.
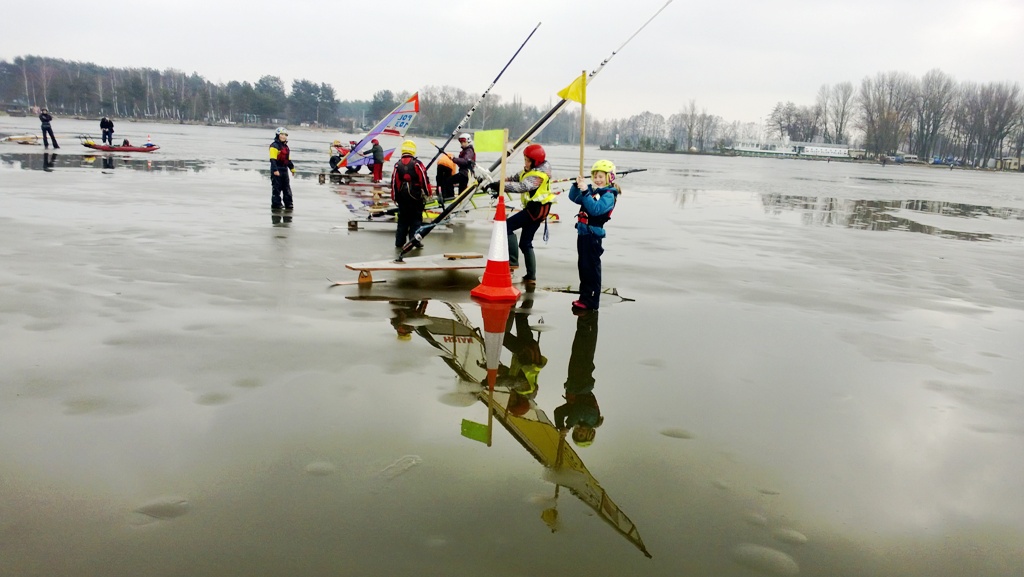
(596, 204)
(410, 188)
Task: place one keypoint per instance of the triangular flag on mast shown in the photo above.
(577, 91)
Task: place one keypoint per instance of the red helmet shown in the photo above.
(374, 141)
(535, 152)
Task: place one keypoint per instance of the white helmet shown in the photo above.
(282, 130)
(467, 137)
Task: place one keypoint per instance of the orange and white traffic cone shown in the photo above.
(495, 316)
(497, 282)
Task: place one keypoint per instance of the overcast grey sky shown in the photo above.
(735, 58)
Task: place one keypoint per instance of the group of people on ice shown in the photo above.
(411, 189)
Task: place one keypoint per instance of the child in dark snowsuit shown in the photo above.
(596, 204)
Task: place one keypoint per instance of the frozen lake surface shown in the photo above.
(820, 372)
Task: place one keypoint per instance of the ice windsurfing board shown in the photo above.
(436, 262)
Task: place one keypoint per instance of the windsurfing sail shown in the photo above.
(516, 147)
(389, 132)
(462, 349)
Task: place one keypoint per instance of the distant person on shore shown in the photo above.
(45, 118)
(532, 185)
(596, 204)
(410, 188)
(466, 161)
(107, 131)
(280, 165)
(377, 168)
(446, 169)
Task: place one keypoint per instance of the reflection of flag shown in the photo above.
(489, 140)
(475, 431)
(576, 91)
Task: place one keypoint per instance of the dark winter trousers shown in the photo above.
(461, 180)
(108, 136)
(590, 248)
(410, 219)
(280, 186)
(522, 220)
(49, 130)
(445, 182)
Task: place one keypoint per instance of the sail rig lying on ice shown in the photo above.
(389, 132)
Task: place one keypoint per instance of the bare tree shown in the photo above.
(886, 106)
(691, 118)
(707, 127)
(824, 95)
(933, 106)
(1002, 109)
(838, 111)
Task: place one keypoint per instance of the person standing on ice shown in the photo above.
(44, 119)
(466, 161)
(596, 204)
(280, 165)
(536, 197)
(377, 168)
(107, 131)
(410, 188)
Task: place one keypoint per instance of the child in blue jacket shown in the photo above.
(596, 204)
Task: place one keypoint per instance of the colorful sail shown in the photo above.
(389, 132)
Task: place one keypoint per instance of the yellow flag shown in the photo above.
(489, 140)
(576, 91)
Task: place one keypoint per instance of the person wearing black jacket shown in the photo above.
(280, 165)
(45, 119)
(410, 188)
(107, 131)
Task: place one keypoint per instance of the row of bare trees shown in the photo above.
(930, 116)
(889, 112)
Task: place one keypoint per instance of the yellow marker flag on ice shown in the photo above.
(489, 140)
(577, 91)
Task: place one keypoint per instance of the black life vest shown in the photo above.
(600, 219)
(410, 185)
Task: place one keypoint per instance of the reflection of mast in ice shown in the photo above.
(462, 348)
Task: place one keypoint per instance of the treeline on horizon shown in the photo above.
(891, 112)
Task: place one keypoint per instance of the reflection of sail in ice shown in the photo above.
(463, 350)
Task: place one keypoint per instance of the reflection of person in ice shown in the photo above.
(580, 411)
(49, 160)
(403, 312)
(520, 376)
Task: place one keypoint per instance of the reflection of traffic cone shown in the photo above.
(497, 282)
(495, 316)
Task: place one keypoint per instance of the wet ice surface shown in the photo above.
(821, 371)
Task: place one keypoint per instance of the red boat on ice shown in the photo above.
(90, 143)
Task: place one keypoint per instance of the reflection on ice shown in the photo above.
(168, 507)
(946, 219)
(765, 559)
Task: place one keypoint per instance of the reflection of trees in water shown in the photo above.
(684, 196)
(101, 161)
(878, 214)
